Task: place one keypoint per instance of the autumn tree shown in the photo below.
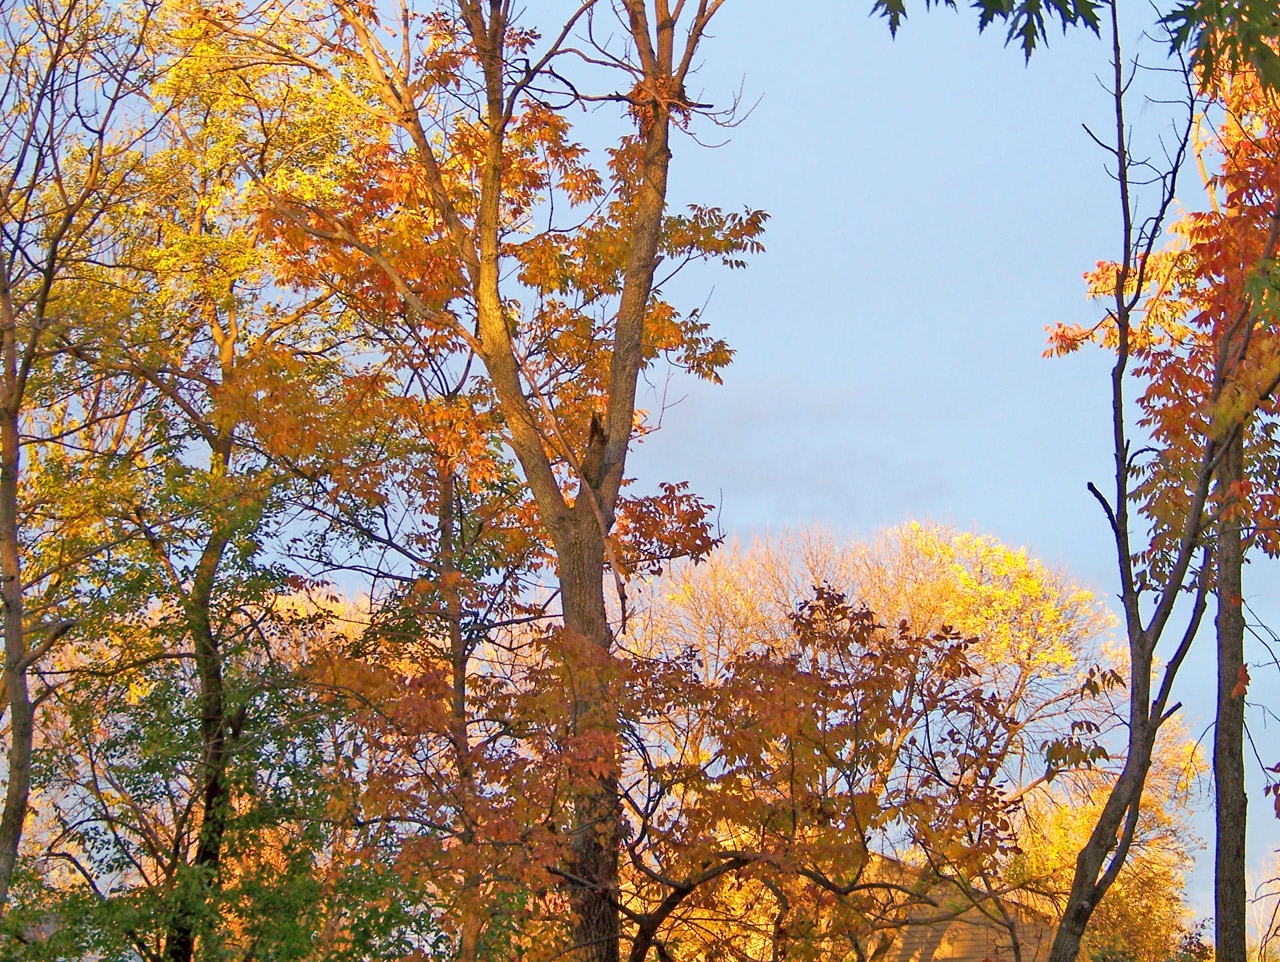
(1034, 641)
(68, 139)
(231, 377)
(111, 846)
(1041, 644)
(1203, 340)
(1222, 354)
(369, 295)
(724, 792)
(469, 151)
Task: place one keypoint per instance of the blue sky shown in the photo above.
(933, 202)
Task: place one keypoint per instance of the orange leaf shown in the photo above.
(1242, 682)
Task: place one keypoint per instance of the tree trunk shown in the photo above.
(578, 526)
(192, 896)
(1230, 801)
(597, 812)
(1091, 882)
(21, 711)
(472, 912)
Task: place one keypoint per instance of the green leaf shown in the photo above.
(1228, 35)
(1028, 20)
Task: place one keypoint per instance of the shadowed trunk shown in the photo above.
(1118, 818)
(21, 711)
(597, 812)
(450, 578)
(188, 914)
(1230, 801)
